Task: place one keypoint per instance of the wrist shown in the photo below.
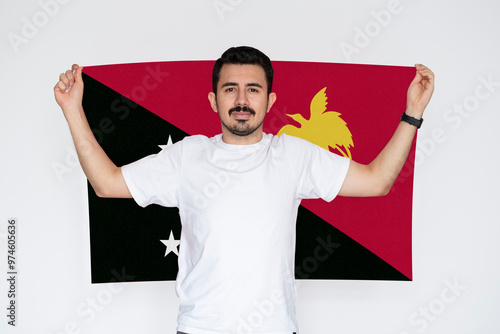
(74, 114)
(417, 122)
(72, 109)
(412, 112)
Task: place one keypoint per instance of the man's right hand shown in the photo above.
(69, 90)
(104, 176)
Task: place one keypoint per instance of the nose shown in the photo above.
(241, 98)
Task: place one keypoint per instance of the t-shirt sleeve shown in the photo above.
(155, 179)
(320, 173)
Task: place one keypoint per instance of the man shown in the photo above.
(236, 260)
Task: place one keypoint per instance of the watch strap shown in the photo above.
(412, 120)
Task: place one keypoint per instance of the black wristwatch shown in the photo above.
(412, 120)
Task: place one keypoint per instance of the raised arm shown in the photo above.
(377, 178)
(104, 176)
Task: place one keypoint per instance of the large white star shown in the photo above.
(171, 244)
(169, 142)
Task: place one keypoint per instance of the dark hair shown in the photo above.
(243, 55)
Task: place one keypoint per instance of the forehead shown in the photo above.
(242, 74)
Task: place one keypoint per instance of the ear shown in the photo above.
(270, 101)
(213, 101)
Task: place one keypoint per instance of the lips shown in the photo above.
(241, 115)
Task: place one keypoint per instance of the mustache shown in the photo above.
(244, 108)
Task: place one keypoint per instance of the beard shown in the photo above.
(241, 127)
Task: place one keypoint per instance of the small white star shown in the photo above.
(169, 142)
(171, 244)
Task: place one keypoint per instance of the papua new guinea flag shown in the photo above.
(352, 110)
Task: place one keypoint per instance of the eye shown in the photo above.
(230, 89)
(253, 90)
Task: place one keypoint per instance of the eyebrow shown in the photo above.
(251, 84)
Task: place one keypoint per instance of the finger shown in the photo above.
(64, 79)
(78, 73)
(61, 86)
(70, 85)
(417, 78)
(71, 77)
(424, 70)
(428, 76)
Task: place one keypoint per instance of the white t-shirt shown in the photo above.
(238, 207)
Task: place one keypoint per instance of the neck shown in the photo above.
(231, 138)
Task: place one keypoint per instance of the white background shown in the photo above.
(456, 216)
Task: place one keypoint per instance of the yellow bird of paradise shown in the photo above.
(324, 128)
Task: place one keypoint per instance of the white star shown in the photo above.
(171, 244)
(169, 142)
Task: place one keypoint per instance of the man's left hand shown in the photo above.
(420, 91)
